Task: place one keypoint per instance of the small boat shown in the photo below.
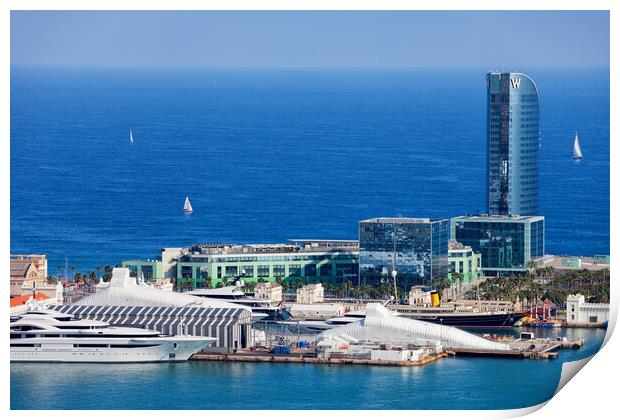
(187, 207)
(543, 323)
(577, 149)
(130, 136)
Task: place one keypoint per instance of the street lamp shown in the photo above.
(394, 273)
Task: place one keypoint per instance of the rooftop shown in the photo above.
(401, 220)
(454, 245)
(20, 300)
(564, 262)
(498, 218)
(299, 245)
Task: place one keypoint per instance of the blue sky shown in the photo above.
(310, 39)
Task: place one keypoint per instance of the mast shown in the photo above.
(394, 265)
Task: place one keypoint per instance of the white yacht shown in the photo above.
(262, 309)
(311, 326)
(41, 335)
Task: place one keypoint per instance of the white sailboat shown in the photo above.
(130, 136)
(577, 149)
(187, 207)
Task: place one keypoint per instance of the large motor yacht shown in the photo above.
(262, 309)
(41, 335)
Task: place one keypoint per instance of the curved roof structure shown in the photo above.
(125, 291)
(382, 327)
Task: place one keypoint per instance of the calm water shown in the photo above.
(271, 155)
(452, 383)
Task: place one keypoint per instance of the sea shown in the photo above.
(267, 155)
(453, 383)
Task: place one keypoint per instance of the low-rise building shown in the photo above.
(268, 291)
(465, 262)
(27, 269)
(310, 294)
(311, 260)
(420, 296)
(564, 263)
(579, 312)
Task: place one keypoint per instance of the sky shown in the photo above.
(305, 39)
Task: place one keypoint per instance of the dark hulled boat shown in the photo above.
(464, 316)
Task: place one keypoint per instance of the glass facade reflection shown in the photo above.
(513, 138)
(417, 248)
(507, 243)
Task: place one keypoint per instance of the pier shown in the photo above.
(537, 348)
(311, 358)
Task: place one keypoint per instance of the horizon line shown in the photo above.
(310, 67)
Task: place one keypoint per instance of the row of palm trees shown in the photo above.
(592, 284)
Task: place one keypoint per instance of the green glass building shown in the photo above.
(311, 261)
(507, 243)
(465, 261)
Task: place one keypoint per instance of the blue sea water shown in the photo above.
(268, 155)
(450, 383)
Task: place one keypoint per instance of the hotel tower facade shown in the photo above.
(513, 137)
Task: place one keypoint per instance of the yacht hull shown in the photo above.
(168, 351)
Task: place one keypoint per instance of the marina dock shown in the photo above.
(538, 348)
(311, 358)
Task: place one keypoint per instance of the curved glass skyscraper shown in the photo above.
(512, 144)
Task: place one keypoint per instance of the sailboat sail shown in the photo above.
(187, 208)
(130, 136)
(577, 149)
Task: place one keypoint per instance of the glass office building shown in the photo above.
(513, 138)
(507, 243)
(416, 248)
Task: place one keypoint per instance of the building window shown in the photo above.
(278, 271)
(326, 270)
(186, 272)
(294, 270)
(263, 271)
(231, 271)
(310, 270)
(219, 272)
(248, 271)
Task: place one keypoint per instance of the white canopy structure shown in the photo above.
(125, 291)
(380, 326)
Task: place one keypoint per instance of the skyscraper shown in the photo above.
(512, 144)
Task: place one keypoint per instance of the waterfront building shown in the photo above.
(513, 138)
(420, 296)
(417, 248)
(563, 263)
(325, 261)
(580, 312)
(310, 294)
(507, 244)
(464, 261)
(127, 303)
(26, 269)
(268, 291)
